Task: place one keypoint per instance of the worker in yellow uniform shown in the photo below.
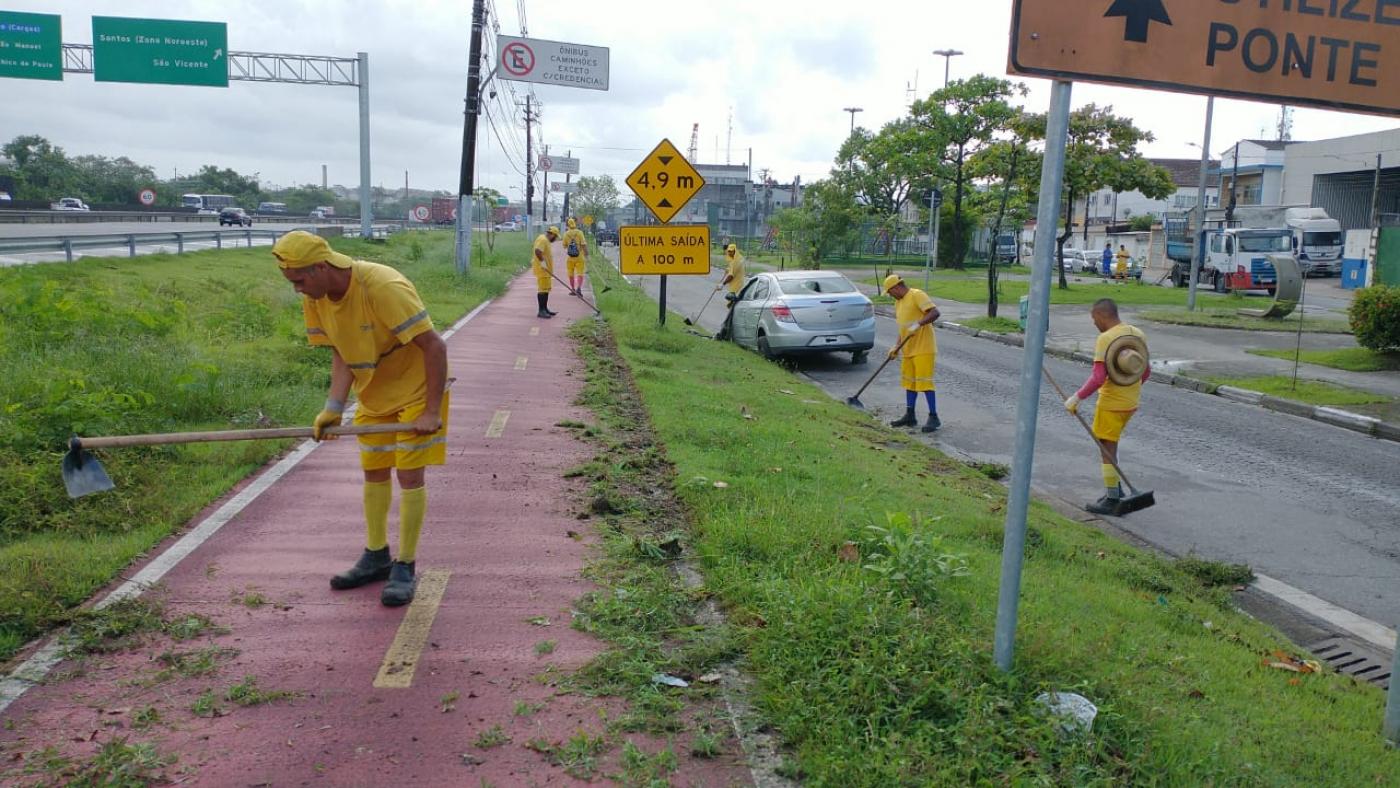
(734, 280)
(383, 346)
(915, 312)
(576, 257)
(1120, 268)
(1121, 366)
(543, 265)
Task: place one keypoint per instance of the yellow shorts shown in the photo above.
(543, 282)
(576, 266)
(403, 450)
(1109, 424)
(916, 373)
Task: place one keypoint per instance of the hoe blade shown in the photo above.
(83, 474)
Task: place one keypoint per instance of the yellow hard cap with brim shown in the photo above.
(299, 249)
(731, 248)
(890, 282)
(553, 229)
(572, 223)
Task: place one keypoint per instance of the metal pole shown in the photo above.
(934, 206)
(366, 211)
(1198, 259)
(1014, 531)
(544, 196)
(662, 299)
(529, 174)
(1376, 195)
(466, 182)
(1392, 701)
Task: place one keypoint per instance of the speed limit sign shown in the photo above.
(147, 197)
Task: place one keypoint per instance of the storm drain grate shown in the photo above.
(1359, 662)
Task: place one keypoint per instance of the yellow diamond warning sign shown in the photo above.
(679, 250)
(665, 181)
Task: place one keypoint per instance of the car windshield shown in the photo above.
(1322, 239)
(1265, 243)
(817, 285)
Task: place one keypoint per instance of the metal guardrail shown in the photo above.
(66, 244)
(70, 217)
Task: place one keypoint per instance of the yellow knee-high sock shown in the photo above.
(1110, 477)
(378, 496)
(413, 504)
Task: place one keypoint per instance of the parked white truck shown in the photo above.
(1314, 237)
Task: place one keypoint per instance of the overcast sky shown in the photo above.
(786, 69)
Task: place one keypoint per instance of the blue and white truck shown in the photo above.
(1243, 247)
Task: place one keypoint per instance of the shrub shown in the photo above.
(1375, 317)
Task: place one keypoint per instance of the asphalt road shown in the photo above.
(31, 230)
(1315, 506)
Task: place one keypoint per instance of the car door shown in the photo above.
(747, 311)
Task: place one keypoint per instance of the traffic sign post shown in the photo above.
(31, 45)
(162, 51)
(1337, 55)
(665, 182)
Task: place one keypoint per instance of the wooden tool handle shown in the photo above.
(1103, 450)
(232, 435)
(885, 363)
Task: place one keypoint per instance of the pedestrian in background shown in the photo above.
(384, 347)
(1107, 259)
(915, 312)
(576, 257)
(1120, 368)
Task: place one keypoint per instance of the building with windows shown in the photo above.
(1107, 207)
(1254, 170)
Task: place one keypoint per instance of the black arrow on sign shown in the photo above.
(665, 203)
(665, 160)
(1138, 15)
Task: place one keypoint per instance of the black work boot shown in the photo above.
(932, 424)
(542, 312)
(908, 419)
(373, 566)
(399, 590)
(1108, 504)
(544, 304)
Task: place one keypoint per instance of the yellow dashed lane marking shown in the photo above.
(497, 427)
(521, 361)
(535, 331)
(396, 671)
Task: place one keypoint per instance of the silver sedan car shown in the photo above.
(798, 312)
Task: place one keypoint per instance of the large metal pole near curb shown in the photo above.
(366, 212)
(1198, 259)
(467, 182)
(1037, 326)
(1392, 701)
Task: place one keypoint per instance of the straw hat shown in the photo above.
(1126, 359)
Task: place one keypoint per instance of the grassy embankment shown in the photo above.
(1230, 318)
(105, 346)
(859, 571)
(1313, 392)
(1350, 359)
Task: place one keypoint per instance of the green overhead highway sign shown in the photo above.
(164, 51)
(31, 46)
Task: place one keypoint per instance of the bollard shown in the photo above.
(131, 244)
(179, 243)
(1392, 700)
(68, 248)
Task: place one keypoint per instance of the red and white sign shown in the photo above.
(421, 213)
(147, 197)
(552, 63)
(518, 59)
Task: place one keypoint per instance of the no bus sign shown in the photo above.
(1335, 54)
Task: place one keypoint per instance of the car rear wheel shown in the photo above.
(763, 347)
(860, 356)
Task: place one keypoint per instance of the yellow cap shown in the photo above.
(299, 249)
(732, 249)
(553, 229)
(572, 224)
(890, 282)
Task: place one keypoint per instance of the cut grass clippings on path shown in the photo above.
(1231, 318)
(161, 343)
(861, 568)
(1313, 392)
(1355, 359)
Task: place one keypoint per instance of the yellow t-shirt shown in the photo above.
(372, 327)
(576, 236)
(1111, 395)
(912, 308)
(542, 270)
(736, 270)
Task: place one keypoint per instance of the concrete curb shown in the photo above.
(1356, 422)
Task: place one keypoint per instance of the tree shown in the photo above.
(964, 118)
(1102, 153)
(596, 196)
(1015, 168)
(883, 170)
(42, 170)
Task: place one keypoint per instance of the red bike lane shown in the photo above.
(381, 695)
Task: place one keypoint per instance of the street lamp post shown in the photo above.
(1198, 258)
(947, 55)
(853, 111)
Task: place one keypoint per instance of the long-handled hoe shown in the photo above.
(690, 321)
(595, 309)
(1134, 502)
(854, 401)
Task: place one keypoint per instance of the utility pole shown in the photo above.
(935, 218)
(568, 178)
(1198, 259)
(1234, 181)
(1376, 195)
(529, 173)
(466, 184)
(947, 55)
(544, 196)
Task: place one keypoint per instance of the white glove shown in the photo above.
(1072, 404)
(912, 327)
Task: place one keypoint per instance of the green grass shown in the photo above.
(973, 290)
(999, 325)
(1355, 359)
(1230, 318)
(160, 343)
(1313, 392)
(886, 677)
